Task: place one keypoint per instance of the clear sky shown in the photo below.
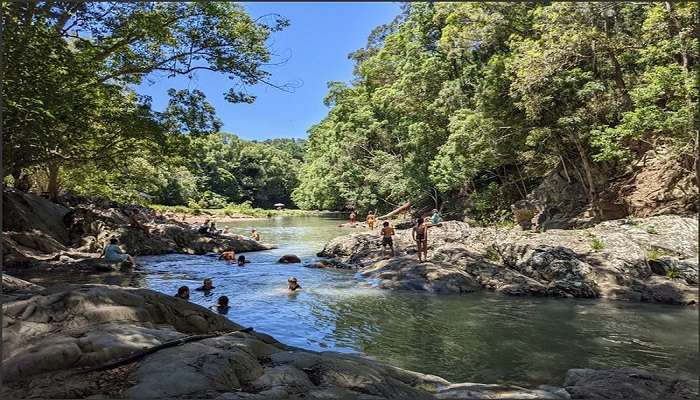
(317, 42)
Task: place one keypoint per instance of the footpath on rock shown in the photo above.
(652, 259)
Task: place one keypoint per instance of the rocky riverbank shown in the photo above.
(650, 260)
(55, 338)
(44, 240)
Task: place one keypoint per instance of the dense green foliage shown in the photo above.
(72, 121)
(477, 101)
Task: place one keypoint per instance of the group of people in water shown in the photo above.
(113, 253)
(222, 303)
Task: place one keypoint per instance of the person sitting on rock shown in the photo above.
(255, 235)
(387, 238)
(183, 292)
(114, 254)
(221, 306)
(293, 284)
(436, 218)
(420, 235)
(371, 219)
(207, 285)
(241, 260)
(204, 228)
(212, 228)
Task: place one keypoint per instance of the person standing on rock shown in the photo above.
(371, 219)
(114, 254)
(387, 238)
(353, 217)
(420, 235)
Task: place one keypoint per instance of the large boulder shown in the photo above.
(49, 339)
(289, 259)
(53, 340)
(26, 212)
(629, 383)
(408, 273)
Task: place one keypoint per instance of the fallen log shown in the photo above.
(398, 210)
(143, 353)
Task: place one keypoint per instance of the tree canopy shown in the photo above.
(477, 101)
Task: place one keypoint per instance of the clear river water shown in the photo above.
(478, 337)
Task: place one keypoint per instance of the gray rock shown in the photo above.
(629, 384)
(289, 259)
(330, 263)
(558, 263)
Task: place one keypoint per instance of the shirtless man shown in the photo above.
(420, 235)
(387, 239)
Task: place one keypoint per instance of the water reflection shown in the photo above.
(476, 337)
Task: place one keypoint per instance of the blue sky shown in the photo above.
(317, 42)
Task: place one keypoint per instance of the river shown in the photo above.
(479, 337)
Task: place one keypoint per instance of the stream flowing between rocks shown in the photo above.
(478, 337)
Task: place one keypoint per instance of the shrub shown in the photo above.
(493, 254)
(654, 255)
(651, 229)
(672, 272)
(597, 244)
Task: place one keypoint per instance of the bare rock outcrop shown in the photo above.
(651, 260)
(53, 340)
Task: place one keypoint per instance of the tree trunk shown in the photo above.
(404, 207)
(620, 81)
(587, 168)
(53, 181)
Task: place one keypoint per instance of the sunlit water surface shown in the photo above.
(477, 337)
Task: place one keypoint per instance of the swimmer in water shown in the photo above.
(228, 256)
(221, 306)
(241, 260)
(207, 285)
(293, 284)
(183, 292)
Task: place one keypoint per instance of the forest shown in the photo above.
(470, 105)
(465, 106)
(73, 123)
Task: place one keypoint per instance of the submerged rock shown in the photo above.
(406, 273)
(330, 263)
(614, 259)
(289, 259)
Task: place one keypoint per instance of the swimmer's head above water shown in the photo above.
(293, 284)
